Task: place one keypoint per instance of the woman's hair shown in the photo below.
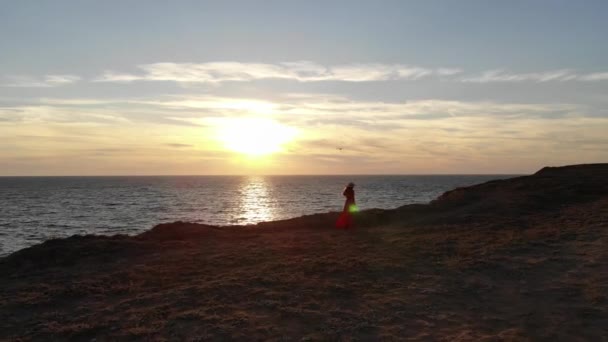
(350, 185)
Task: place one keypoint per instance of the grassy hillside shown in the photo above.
(517, 259)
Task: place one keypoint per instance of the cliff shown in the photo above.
(517, 259)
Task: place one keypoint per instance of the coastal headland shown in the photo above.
(524, 258)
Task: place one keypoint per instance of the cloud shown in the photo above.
(415, 136)
(448, 71)
(213, 103)
(177, 145)
(308, 110)
(42, 114)
(561, 75)
(600, 76)
(302, 71)
(338, 109)
(109, 76)
(11, 114)
(307, 71)
(121, 113)
(48, 81)
(503, 76)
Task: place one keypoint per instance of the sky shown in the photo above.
(301, 87)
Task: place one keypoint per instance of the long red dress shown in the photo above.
(345, 219)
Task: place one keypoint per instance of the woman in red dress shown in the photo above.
(345, 219)
(349, 193)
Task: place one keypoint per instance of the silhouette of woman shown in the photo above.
(345, 219)
(349, 193)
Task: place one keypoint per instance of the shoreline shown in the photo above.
(133, 205)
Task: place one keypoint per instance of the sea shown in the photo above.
(35, 209)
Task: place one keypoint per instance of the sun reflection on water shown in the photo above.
(256, 203)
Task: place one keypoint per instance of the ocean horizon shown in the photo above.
(37, 208)
(267, 175)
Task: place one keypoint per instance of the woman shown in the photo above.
(349, 193)
(345, 219)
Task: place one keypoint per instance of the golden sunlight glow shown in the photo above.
(255, 136)
(256, 203)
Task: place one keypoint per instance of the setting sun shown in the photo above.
(255, 136)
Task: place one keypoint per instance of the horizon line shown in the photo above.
(273, 175)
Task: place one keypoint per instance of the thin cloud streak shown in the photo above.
(562, 75)
(599, 76)
(307, 71)
(48, 81)
(301, 71)
(302, 108)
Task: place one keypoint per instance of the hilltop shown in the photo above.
(524, 258)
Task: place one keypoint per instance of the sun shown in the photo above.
(255, 136)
